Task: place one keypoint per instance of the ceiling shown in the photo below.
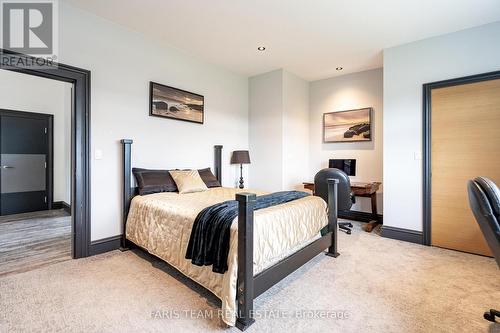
(307, 37)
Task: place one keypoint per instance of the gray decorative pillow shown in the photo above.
(208, 178)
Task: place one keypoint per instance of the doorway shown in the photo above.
(80, 139)
(461, 142)
(26, 169)
(34, 172)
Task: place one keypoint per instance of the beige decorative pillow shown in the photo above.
(188, 181)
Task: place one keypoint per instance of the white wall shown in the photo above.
(21, 92)
(122, 63)
(295, 131)
(347, 92)
(286, 126)
(406, 69)
(266, 130)
(279, 133)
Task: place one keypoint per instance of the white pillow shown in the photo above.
(188, 181)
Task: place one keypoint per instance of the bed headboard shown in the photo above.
(130, 191)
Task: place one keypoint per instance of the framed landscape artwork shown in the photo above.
(348, 126)
(173, 103)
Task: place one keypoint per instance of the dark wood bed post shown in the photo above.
(218, 162)
(245, 287)
(332, 215)
(127, 187)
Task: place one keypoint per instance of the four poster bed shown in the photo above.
(265, 245)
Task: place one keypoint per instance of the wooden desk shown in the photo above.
(309, 186)
(359, 189)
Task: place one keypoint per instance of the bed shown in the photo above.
(265, 245)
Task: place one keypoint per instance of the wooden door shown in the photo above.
(465, 143)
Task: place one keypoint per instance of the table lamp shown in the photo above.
(240, 157)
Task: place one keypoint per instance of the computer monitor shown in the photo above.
(346, 165)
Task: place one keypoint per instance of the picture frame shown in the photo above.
(348, 126)
(173, 103)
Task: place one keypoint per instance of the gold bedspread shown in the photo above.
(161, 223)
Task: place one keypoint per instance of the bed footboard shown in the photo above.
(250, 286)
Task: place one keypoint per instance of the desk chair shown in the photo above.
(344, 194)
(484, 200)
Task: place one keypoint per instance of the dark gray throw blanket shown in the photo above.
(209, 240)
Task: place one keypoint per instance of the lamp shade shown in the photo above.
(240, 157)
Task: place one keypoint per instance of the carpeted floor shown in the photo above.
(376, 285)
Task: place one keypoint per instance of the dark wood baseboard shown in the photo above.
(359, 216)
(406, 235)
(105, 245)
(62, 205)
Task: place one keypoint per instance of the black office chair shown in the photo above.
(484, 200)
(345, 196)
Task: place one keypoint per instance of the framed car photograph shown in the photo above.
(348, 126)
(173, 103)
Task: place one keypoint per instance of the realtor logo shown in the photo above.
(29, 27)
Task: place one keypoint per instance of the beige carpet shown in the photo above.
(378, 284)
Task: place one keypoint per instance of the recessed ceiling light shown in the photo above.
(339, 68)
(261, 48)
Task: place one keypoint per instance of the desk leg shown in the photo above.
(374, 206)
(372, 224)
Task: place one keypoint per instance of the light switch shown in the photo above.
(417, 155)
(98, 154)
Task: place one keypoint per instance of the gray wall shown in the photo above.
(266, 130)
(295, 131)
(347, 92)
(279, 133)
(122, 62)
(406, 69)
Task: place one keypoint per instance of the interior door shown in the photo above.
(465, 144)
(24, 151)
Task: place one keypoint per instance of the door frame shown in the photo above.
(427, 141)
(80, 139)
(49, 179)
